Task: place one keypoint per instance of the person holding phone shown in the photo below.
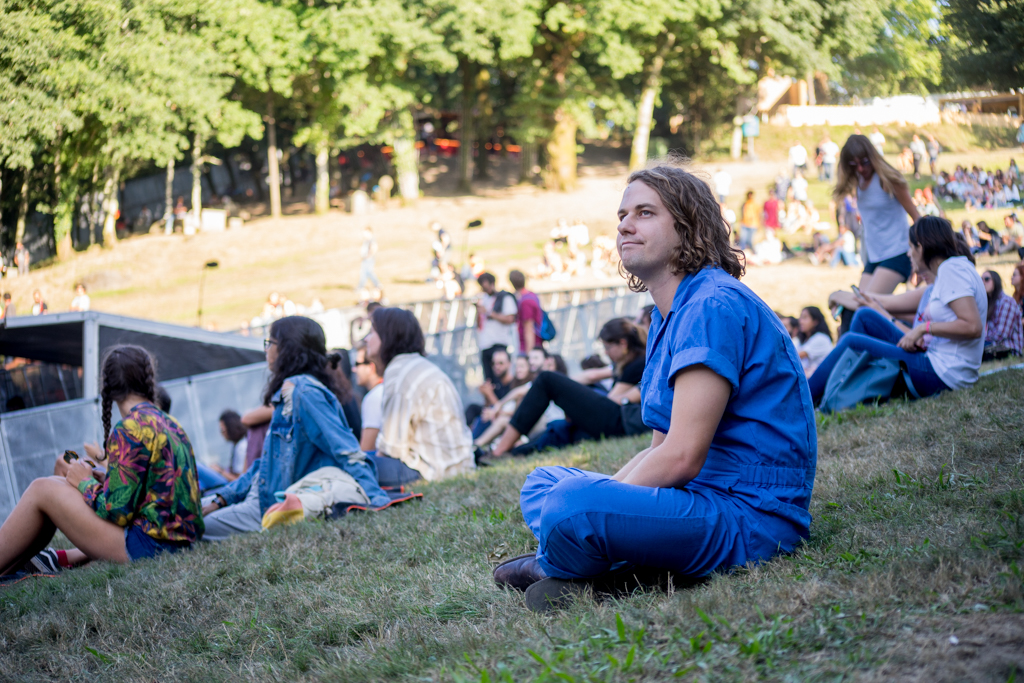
(146, 505)
(944, 348)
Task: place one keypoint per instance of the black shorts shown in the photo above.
(901, 264)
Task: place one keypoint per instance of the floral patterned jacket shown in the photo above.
(151, 478)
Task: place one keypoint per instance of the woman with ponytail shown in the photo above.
(147, 503)
(308, 431)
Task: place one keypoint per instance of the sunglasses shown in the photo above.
(865, 162)
(267, 343)
(986, 278)
(364, 362)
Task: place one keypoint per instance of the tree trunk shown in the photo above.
(466, 127)
(275, 174)
(19, 230)
(63, 211)
(110, 205)
(645, 112)
(323, 179)
(169, 199)
(561, 152)
(484, 117)
(94, 209)
(197, 181)
(407, 160)
(527, 152)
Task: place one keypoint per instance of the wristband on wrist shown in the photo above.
(219, 499)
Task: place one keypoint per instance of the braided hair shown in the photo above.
(126, 369)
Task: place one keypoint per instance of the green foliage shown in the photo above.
(985, 43)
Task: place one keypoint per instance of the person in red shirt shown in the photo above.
(771, 212)
(530, 313)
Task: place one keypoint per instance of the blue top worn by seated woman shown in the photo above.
(308, 431)
(764, 454)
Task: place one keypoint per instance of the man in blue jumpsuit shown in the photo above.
(727, 479)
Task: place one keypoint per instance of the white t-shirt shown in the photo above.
(492, 332)
(80, 303)
(372, 410)
(829, 152)
(878, 140)
(238, 455)
(817, 346)
(956, 362)
(849, 243)
(799, 186)
(723, 183)
(797, 155)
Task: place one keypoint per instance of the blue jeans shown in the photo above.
(848, 258)
(366, 267)
(588, 524)
(747, 237)
(872, 332)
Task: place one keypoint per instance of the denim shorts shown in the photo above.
(901, 264)
(142, 546)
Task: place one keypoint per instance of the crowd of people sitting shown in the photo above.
(729, 472)
(565, 255)
(981, 189)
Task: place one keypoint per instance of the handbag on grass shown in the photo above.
(859, 377)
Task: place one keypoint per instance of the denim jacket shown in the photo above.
(308, 431)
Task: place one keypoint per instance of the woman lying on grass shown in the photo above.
(943, 349)
(728, 476)
(307, 431)
(148, 502)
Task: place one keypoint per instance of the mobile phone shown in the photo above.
(69, 456)
(856, 290)
(837, 314)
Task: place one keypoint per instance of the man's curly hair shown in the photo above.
(703, 232)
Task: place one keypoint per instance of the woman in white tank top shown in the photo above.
(883, 202)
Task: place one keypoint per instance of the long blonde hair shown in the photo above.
(858, 147)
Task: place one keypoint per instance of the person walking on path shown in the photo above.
(368, 261)
(22, 259)
(728, 476)
(918, 149)
(934, 148)
(883, 205)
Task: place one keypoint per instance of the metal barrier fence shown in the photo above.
(577, 325)
(30, 440)
(344, 326)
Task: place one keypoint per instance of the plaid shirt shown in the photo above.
(1004, 327)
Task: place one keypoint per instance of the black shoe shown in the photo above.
(554, 594)
(44, 563)
(519, 572)
(482, 457)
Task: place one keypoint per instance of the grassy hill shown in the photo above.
(913, 572)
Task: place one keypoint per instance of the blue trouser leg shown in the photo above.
(588, 523)
(366, 273)
(872, 332)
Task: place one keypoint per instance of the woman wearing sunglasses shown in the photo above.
(883, 202)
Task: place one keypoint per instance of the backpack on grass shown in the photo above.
(859, 377)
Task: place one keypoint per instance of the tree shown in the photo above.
(37, 61)
(265, 46)
(984, 43)
(481, 34)
(901, 57)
